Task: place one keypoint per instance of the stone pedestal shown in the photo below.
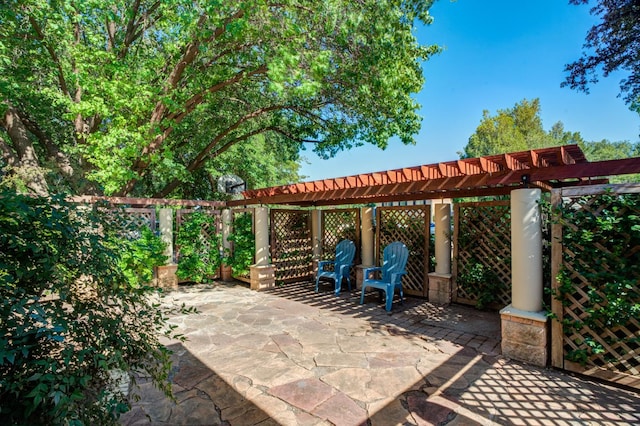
(226, 273)
(440, 288)
(524, 335)
(263, 276)
(166, 276)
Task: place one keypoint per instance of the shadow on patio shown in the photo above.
(290, 356)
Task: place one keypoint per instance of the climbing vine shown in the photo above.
(199, 247)
(599, 281)
(244, 241)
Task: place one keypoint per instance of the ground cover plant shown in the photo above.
(69, 317)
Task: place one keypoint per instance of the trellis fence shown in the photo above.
(132, 219)
(338, 225)
(596, 282)
(291, 245)
(409, 224)
(481, 266)
(210, 232)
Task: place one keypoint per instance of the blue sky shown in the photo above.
(496, 53)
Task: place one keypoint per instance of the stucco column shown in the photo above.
(440, 285)
(262, 273)
(524, 324)
(227, 229)
(367, 236)
(526, 250)
(166, 275)
(261, 217)
(367, 245)
(165, 218)
(442, 220)
(316, 238)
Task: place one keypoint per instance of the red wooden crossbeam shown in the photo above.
(488, 175)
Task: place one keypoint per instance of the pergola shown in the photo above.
(544, 168)
(522, 175)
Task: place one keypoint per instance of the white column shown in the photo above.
(526, 250)
(367, 236)
(166, 232)
(316, 233)
(227, 228)
(261, 217)
(442, 219)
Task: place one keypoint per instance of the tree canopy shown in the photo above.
(612, 44)
(137, 97)
(515, 129)
(520, 128)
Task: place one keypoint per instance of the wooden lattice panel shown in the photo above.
(130, 220)
(482, 253)
(182, 215)
(618, 354)
(338, 225)
(410, 225)
(291, 247)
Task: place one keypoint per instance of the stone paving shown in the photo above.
(290, 356)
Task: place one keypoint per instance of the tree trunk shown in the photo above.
(28, 167)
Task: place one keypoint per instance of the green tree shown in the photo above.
(135, 97)
(260, 163)
(607, 150)
(71, 316)
(612, 44)
(515, 129)
(520, 129)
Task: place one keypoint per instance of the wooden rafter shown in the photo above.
(545, 168)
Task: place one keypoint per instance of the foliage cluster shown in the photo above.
(481, 280)
(199, 246)
(69, 317)
(604, 233)
(140, 98)
(520, 128)
(139, 257)
(243, 239)
(611, 45)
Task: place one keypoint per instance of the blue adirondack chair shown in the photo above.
(395, 257)
(345, 252)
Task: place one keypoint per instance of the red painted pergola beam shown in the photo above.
(491, 175)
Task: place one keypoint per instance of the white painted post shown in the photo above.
(227, 229)
(366, 244)
(262, 273)
(526, 250)
(440, 285)
(166, 274)
(442, 219)
(262, 236)
(316, 238)
(166, 232)
(367, 236)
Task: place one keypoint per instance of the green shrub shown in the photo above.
(244, 243)
(140, 256)
(199, 252)
(69, 317)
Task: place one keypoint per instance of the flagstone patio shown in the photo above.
(290, 356)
